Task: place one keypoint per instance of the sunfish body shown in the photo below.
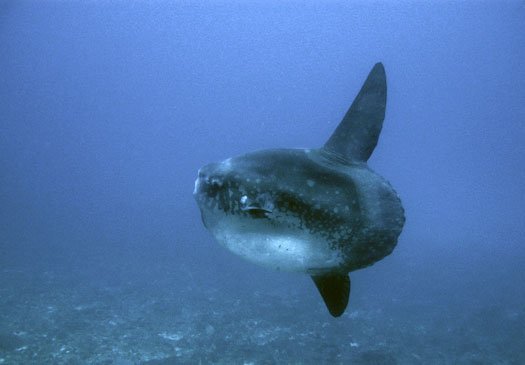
(322, 212)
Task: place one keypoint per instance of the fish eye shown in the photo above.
(260, 202)
(244, 199)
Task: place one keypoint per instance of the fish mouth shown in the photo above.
(209, 191)
(199, 190)
(196, 187)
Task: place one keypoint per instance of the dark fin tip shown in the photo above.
(335, 290)
(356, 135)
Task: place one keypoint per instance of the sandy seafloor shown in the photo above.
(50, 317)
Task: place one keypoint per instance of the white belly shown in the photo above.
(294, 251)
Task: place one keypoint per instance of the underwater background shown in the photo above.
(109, 108)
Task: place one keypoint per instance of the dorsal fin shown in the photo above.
(356, 136)
(335, 290)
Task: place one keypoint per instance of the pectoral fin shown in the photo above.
(335, 290)
(257, 212)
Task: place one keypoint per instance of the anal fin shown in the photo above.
(335, 290)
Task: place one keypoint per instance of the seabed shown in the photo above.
(47, 318)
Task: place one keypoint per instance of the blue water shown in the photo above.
(108, 109)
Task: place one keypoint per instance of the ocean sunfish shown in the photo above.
(320, 211)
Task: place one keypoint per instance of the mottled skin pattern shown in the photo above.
(310, 191)
(323, 212)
